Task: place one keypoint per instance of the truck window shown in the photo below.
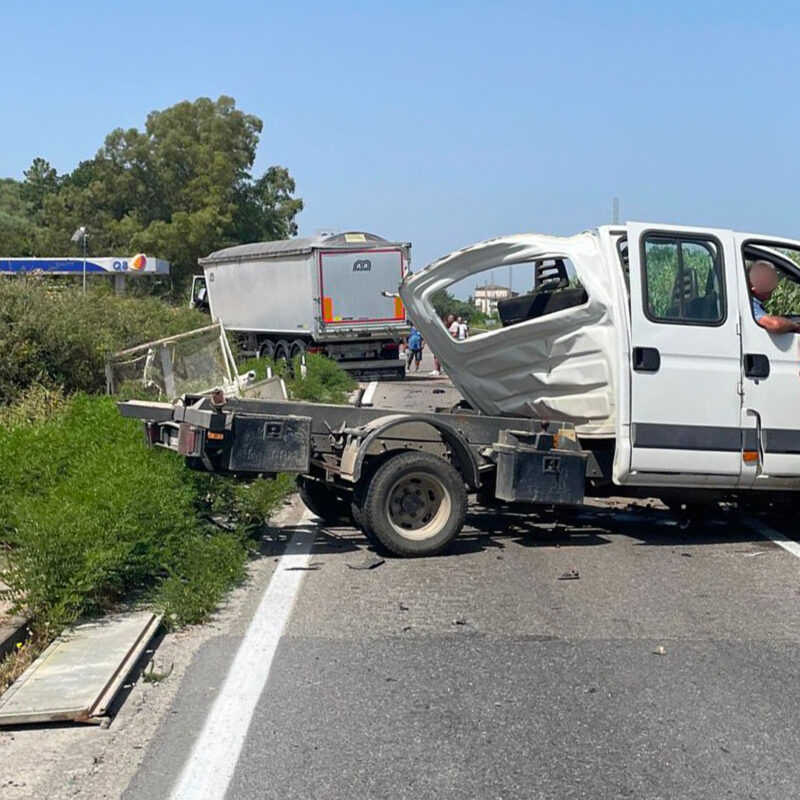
(683, 279)
(507, 295)
(785, 300)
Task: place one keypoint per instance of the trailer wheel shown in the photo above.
(330, 504)
(267, 349)
(415, 504)
(297, 348)
(282, 353)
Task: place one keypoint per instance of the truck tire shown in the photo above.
(282, 353)
(266, 349)
(414, 504)
(297, 348)
(330, 504)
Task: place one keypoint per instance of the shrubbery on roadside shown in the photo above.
(57, 337)
(324, 382)
(93, 518)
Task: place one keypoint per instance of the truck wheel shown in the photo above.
(267, 349)
(282, 354)
(331, 505)
(297, 348)
(415, 504)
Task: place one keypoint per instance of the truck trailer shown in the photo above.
(638, 364)
(333, 294)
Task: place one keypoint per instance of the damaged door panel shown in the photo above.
(555, 356)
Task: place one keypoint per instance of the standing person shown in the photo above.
(452, 325)
(462, 331)
(449, 323)
(414, 347)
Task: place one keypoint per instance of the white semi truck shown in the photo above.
(333, 294)
(639, 363)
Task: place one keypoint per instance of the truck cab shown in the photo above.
(198, 297)
(644, 337)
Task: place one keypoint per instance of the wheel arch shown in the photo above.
(462, 456)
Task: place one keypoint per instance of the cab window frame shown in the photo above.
(679, 237)
(780, 262)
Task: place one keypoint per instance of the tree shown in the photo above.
(445, 303)
(178, 189)
(16, 225)
(41, 179)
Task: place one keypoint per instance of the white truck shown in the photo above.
(635, 365)
(329, 293)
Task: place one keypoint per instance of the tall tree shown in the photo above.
(178, 189)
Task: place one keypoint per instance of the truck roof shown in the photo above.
(299, 245)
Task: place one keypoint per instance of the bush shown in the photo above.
(57, 336)
(94, 517)
(325, 381)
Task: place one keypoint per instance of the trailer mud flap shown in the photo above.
(269, 443)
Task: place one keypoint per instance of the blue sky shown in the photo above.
(436, 122)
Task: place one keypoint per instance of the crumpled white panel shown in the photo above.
(558, 367)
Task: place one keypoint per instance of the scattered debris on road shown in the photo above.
(371, 562)
(572, 575)
(460, 621)
(661, 650)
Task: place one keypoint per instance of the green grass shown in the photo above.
(94, 518)
(325, 380)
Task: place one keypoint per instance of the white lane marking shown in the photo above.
(770, 533)
(213, 759)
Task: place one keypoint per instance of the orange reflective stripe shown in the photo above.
(327, 309)
(399, 312)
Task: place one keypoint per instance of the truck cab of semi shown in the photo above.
(644, 337)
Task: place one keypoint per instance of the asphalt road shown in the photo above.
(668, 669)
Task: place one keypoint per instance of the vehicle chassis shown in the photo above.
(338, 452)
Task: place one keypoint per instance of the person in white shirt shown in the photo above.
(462, 331)
(452, 326)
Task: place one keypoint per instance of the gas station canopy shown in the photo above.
(138, 264)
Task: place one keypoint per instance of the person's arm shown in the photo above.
(778, 324)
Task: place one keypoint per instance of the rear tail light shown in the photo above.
(391, 346)
(151, 433)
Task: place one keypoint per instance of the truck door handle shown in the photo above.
(646, 359)
(756, 365)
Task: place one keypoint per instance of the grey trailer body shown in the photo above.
(333, 293)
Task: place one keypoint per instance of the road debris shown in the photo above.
(78, 675)
(460, 621)
(371, 562)
(661, 650)
(572, 575)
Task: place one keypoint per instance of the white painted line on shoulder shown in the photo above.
(212, 761)
(768, 532)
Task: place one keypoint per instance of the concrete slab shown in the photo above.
(78, 675)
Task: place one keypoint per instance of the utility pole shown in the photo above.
(81, 234)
